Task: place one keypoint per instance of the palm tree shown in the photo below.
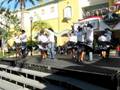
(7, 18)
(110, 2)
(39, 25)
(22, 5)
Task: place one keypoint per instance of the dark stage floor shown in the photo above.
(65, 62)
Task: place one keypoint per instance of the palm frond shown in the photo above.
(2, 3)
(16, 4)
(8, 1)
(38, 25)
(32, 1)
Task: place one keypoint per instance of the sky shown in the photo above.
(11, 5)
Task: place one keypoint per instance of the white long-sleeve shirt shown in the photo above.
(17, 39)
(89, 34)
(81, 36)
(73, 38)
(23, 37)
(42, 38)
(102, 38)
(51, 36)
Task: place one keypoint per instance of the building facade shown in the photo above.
(61, 14)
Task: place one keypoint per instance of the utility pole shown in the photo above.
(31, 20)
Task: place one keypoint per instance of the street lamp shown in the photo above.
(31, 20)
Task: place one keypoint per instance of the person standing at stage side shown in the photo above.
(80, 42)
(17, 43)
(51, 44)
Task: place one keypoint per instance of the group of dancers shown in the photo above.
(45, 43)
(81, 42)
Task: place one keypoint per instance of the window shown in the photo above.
(68, 12)
(42, 11)
(52, 9)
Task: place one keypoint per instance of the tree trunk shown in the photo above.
(22, 14)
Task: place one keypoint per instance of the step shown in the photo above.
(22, 79)
(31, 72)
(26, 71)
(74, 83)
(57, 78)
(5, 85)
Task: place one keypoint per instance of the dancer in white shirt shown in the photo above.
(80, 43)
(104, 43)
(43, 43)
(90, 40)
(23, 38)
(71, 48)
(90, 35)
(51, 45)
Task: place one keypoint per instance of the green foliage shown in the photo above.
(9, 19)
(15, 21)
(31, 43)
(38, 25)
(6, 54)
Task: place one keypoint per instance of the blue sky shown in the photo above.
(11, 5)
